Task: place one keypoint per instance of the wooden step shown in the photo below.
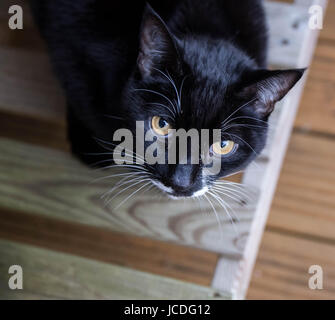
(50, 275)
(158, 257)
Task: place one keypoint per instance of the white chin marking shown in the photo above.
(170, 191)
(162, 187)
(200, 192)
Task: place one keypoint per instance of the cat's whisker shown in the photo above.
(167, 76)
(133, 176)
(121, 183)
(238, 137)
(127, 166)
(243, 198)
(181, 90)
(238, 109)
(108, 195)
(239, 198)
(100, 162)
(131, 166)
(239, 189)
(158, 191)
(113, 164)
(128, 174)
(216, 216)
(129, 152)
(229, 193)
(131, 161)
(224, 206)
(240, 186)
(113, 117)
(175, 88)
(231, 182)
(231, 174)
(138, 181)
(132, 194)
(165, 107)
(245, 117)
(159, 94)
(243, 125)
(197, 198)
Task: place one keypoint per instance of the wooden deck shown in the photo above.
(301, 227)
(43, 222)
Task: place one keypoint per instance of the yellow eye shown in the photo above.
(160, 125)
(223, 147)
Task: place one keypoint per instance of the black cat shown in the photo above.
(171, 64)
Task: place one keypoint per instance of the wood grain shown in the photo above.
(281, 271)
(51, 183)
(161, 258)
(318, 102)
(318, 112)
(34, 131)
(28, 86)
(50, 275)
(327, 34)
(305, 197)
(28, 38)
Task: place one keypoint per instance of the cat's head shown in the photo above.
(192, 82)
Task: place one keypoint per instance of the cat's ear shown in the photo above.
(158, 48)
(268, 87)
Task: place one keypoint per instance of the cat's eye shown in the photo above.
(224, 147)
(160, 125)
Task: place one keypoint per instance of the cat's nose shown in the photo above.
(182, 177)
(181, 182)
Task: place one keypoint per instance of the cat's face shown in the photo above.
(200, 84)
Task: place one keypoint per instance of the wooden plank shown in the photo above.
(27, 86)
(305, 201)
(327, 34)
(281, 271)
(51, 183)
(25, 128)
(161, 258)
(47, 274)
(318, 102)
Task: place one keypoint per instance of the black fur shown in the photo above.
(104, 50)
